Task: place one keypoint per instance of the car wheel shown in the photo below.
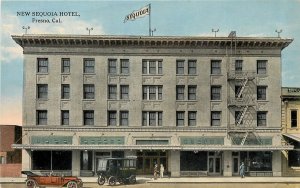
(112, 180)
(122, 181)
(132, 179)
(30, 183)
(72, 184)
(101, 180)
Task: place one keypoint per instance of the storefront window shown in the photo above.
(260, 161)
(191, 161)
(294, 155)
(51, 160)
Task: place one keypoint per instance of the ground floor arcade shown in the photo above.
(177, 163)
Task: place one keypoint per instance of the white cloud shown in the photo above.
(12, 25)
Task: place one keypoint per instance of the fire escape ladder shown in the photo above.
(242, 88)
(242, 115)
(244, 138)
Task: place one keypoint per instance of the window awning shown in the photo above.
(156, 147)
(295, 137)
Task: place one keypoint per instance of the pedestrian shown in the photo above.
(162, 169)
(155, 171)
(242, 170)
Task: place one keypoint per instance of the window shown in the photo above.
(152, 92)
(179, 118)
(65, 91)
(261, 66)
(88, 91)
(179, 67)
(179, 92)
(215, 92)
(65, 65)
(124, 118)
(239, 65)
(152, 66)
(192, 115)
(215, 118)
(112, 92)
(124, 66)
(152, 118)
(261, 119)
(294, 158)
(112, 66)
(261, 92)
(192, 90)
(124, 90)
(42, 66)
(88, 117)
(238, 120)
(215, 66)
(238, 89)
(89, 65)
(112, 118)
(192, 67)
(65, 117)
(41, 118)
(42, 91)
(294, 118)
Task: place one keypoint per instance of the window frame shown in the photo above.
(214, 119)
(41, 120)
(112, 118)
(216, 96)
(192, 121)
(42, 69)
(122, 118)
(88, 65)
(180, 92)
(63, 118)
(124, 95)
(65, 69)
(180, 67)
(261, 67)
(124, 66)
(87, 119)
(192, 95)
(42, 95)
(238, 66)
(192, 67)
(294, 120)
(90, 93)
(64, 94)
(262, 122)
(261, 96)
(112, 92)
(215, 67)
(180, 118)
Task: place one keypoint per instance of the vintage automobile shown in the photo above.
(113, 170)
(34, 180)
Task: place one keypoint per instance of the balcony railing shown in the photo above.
(241, 74)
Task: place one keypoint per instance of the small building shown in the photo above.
(291, 130)
(10, 159)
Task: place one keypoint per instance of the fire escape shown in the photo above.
(241, 99)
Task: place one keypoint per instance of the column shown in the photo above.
(26, 160)
(276, 163)
(227, 163)
(76, 162)
(174, 163)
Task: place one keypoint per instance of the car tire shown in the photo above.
(101, 180)
(132, 179)
(112, 180)
(72, 184)
(30, 183)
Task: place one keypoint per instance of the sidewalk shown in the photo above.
(142, 179)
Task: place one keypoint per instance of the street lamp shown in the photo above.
(215, 31)
(89, 29)
(26, 28)
(278, 32)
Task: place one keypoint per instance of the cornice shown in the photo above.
(102, 41)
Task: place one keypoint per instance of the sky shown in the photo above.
(255, 18)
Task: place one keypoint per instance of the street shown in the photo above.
(178, 185)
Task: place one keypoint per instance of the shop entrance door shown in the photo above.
(146, 161)
(214, 165)
(149, 164)
(235, 165)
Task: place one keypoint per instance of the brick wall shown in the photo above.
(7, 137)
(10, 170)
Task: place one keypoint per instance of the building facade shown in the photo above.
(291, 130)
(198, 105)
(10, 159)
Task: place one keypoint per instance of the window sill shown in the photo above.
(89, 73)
(115, 74)
(215, 100)
(42, 99)
(152, 74)
(186, 100)
(65, 99)
(42, 73)
(88, 99)
(187, 74)
(65, 73)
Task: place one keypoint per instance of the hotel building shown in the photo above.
(198, 105)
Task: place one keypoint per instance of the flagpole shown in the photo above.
(150, 19)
